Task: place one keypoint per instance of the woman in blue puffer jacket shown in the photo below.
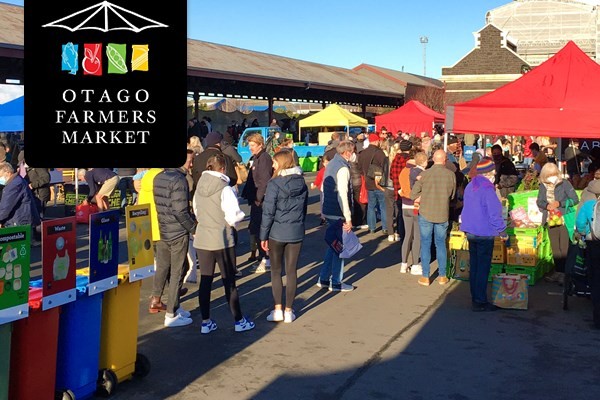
(282, 229)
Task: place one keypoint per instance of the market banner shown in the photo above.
(104, 251)
(59, 261)
(15, 247)
(114, 79)
(139, 242)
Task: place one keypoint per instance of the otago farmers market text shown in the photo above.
(81, 117)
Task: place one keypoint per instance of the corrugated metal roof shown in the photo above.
(402, 76)
(204, 57)
(11, 25)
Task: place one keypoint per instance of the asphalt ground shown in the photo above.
(388, 339)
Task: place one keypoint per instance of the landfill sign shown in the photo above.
(59, 261)
(139, 242)
(14, 273)
(104, 251)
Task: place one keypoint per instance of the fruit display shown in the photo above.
(555, 218)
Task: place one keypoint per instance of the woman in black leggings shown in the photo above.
(215, 242)
(282, 230)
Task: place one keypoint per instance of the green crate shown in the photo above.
(496, 269)
(535, 273)
(537, 232)
(519, 199)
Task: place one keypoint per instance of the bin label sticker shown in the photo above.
(14, 273)
(139, 242)
(59, 261)
(104, 251)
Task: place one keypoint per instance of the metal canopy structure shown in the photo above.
(215, 69)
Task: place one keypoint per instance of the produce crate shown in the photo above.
(458, 241)
(519, 199)
(496, 269)
(460, 269)
(499, 254)
(534, 273)
(536, 232)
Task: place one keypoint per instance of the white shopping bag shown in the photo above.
(351, 244)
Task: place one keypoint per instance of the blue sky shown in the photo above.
(345, 33)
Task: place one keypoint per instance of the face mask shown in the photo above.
(2, 180)
(352, 158)
(553, 179)
(497, 158)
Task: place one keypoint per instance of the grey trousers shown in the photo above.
(171, 264)
(412, 237)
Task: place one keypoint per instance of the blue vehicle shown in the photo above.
(268, 133)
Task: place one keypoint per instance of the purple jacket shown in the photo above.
(482, 211)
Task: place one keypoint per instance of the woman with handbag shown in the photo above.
(282, 230)
(556, 193)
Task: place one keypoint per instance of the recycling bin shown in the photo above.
(34, 344)
(119, 360)
(5, 334)
(79, 344)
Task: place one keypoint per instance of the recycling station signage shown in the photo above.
(106, 83)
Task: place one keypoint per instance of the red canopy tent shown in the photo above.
(412, 117)
(559, 98)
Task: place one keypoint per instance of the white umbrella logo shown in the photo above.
(105, 17)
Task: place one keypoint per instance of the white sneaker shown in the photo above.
(391, 238)
(416, 270)
(342, 287)
(397, 237)
(244, 324)
(275, 316)
(261, 267)
(177, 320)
(403, 268)
(208, 327)
(183, 313)
(289, 317)
(363, 227)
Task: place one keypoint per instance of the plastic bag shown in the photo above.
(351, 244)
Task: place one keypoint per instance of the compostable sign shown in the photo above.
(106, 83)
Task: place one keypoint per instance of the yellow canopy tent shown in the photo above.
(333, 115)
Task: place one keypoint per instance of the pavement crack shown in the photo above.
(375, 358)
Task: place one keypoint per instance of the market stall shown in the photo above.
(11, 115)
(413, 117)
(332, 116)
(557, 99)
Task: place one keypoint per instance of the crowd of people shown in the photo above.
(401, 188)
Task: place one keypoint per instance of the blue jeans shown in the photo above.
(333, 266)
(439, 232)
(376, 198)
(480, 252)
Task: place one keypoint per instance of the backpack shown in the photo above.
(595, 222)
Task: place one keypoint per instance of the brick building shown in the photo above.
(492, 63)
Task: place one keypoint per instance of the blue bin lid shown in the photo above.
(81, 282)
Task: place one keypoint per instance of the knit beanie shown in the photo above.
(485, 165)
(406, 145)
(373, 137)
(213, 138)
